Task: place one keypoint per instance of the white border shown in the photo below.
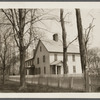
(50, 5)
(49, 95)
(70, 5)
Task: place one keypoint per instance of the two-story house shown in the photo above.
(48, 57)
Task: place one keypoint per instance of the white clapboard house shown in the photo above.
(48, 58)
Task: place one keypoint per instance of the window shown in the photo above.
(37, 60)
(40, 48)
(74, 69)
(39, 71)
(73, 58)
(67, 57)
(28, 63)
(44, 58)
(55, 57)
(44, 70)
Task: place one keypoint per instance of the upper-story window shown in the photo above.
(40, 48)
(44, 70)
(55, 57)
(37, 60)
(74, 69)
(44, 58)
(67, 57)
(73, 58)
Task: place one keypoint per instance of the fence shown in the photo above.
(76, 83)
(94, 83)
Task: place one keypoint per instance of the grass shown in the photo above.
(13, 87)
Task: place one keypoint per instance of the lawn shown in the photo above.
(13, 87)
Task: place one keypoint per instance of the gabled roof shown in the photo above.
(53, 46)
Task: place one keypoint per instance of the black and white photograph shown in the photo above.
(49, 49)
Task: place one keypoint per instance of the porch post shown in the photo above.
(27, 71)
(56, 69)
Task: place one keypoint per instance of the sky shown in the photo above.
(71, 28)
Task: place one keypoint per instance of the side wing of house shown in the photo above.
(30, 69)
(41, 60)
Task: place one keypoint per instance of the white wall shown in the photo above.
(39, 54)
(59, 57)
(77, 64)
(70, 62)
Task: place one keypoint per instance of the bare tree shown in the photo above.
(83, 44)
(5, 52)
(64, 38)
(22, 21)
(64, 42)
(93, 59)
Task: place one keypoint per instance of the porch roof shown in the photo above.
(58, 62)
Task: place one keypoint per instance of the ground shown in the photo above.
(11, 86)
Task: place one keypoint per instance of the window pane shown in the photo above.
(74, 69)
(37, 60)
(40, 48)
(73, 57)
(44, 70)
(44, 58)
(55, 57)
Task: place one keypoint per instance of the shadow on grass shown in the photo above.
(11, 86)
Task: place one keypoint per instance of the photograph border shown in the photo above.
(20, 96)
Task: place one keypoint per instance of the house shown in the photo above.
(48, 58)
(30, 69)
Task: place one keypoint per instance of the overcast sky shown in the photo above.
(71, 28)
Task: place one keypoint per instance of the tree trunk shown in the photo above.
(64, 42)
(3, 76)
(22, 49)
(81, 45)
(22, 69)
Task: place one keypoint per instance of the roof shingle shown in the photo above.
(53, 46)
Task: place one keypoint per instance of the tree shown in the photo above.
(64, 38)
(93, 59)
(81, 45)
(5, 52)
(64, 42)
(22, 21)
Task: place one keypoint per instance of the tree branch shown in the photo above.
(72, 41)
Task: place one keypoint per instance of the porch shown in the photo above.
(56, 67)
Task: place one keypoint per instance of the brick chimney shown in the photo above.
(55, 37)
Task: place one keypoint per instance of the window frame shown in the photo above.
(44, 58)
(44, 70)
(38, 60)
(73, 57)
(40, 49)
(55, 57)
(74, 69)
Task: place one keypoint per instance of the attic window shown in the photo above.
(40, 48)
